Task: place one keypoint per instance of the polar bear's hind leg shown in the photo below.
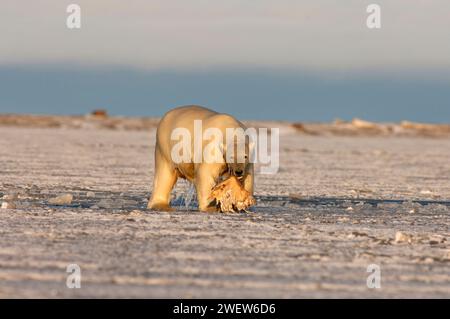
(165, 178)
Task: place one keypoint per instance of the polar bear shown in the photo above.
(204, 174)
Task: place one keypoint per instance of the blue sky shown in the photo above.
(290, 60)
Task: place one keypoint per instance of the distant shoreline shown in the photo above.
(101, 120)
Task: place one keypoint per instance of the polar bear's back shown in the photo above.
(183, 117)
(189, 111)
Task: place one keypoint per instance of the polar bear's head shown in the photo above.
(238, 156)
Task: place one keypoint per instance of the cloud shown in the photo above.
(178, 34)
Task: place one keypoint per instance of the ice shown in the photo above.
(189, 197)
(184, 197)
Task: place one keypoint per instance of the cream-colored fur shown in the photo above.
(203, 175)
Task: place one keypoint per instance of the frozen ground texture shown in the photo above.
(334, 208)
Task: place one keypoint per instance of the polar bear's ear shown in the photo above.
(251, 146)
(252, 151)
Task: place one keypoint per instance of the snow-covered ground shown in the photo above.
(337, 205)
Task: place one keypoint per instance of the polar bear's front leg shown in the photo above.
(249, 180)
(164, 181)
(206, 177)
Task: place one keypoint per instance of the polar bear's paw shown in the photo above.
(161, 207)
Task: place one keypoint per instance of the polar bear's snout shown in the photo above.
(237, 169)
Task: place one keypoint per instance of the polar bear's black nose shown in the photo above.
(239, 173)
